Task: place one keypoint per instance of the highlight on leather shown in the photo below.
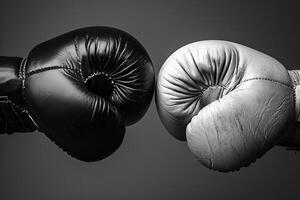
(230, 102)
(84, 87)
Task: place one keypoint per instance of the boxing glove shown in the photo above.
(81, 89)
(230, 102)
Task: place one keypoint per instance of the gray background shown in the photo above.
(150, 164)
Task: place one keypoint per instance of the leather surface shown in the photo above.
(230, 102)
(83, 87)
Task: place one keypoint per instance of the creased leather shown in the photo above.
(247, 102)
(83, 87)
(102, 49)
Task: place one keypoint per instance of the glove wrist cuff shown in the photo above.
(14, 116)
(295, 77)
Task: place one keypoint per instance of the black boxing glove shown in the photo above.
(82, 88)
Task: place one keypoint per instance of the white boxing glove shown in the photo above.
(230, 102)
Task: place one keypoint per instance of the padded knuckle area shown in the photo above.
(117, 67)
(85, 86)
(196, 75)
(109, 62)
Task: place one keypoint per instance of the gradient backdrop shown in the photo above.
(150, 164)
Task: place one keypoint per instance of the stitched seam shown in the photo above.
(286, 85)
(266, 79)
(22, 76)
(22, 68)
(38, 70)
(97, 74)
